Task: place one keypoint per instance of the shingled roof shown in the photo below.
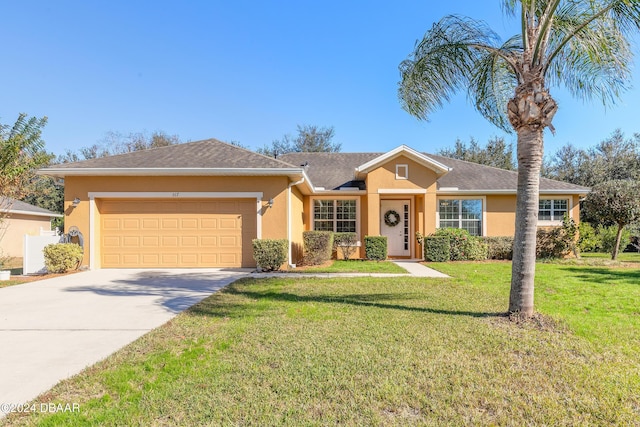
(8, 205)
(335, 170)
(206, 154)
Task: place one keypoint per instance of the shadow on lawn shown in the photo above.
(360, 300)
(604, 275)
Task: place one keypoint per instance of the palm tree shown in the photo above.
(583, 45)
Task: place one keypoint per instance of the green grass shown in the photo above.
(357, 266)
(371, 351)
(622, 256)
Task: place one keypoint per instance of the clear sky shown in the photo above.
(248, 71)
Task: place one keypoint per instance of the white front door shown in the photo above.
(394, 223)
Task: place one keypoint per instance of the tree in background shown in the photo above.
(310, 139)
(616, 202)
(118, 143)
(581, 45)
(617, 157)
(496, 153)
(21, 154)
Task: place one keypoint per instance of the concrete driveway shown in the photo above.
(53, 328)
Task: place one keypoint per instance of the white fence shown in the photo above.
(33, 258)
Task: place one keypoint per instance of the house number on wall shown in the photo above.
(175, 194)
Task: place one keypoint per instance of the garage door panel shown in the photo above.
(150, 224)
(170, 241)
(159, 233)
(150, 241)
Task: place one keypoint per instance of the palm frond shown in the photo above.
(445, 61)
(493, 84)
(591, 61)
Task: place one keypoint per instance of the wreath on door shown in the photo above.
(391, 218)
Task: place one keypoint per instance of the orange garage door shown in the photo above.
(176, 233)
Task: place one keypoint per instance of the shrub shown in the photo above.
(552, 243)
(463, 246)
(318, 246)
(346, 243)
(500, 247)
(375, 247)
(270, 254)
(437, 248)
(62, 257)
(588, 240)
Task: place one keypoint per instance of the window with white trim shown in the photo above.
(552, 209)
(334, 215)
(402, 171)
(461, 213)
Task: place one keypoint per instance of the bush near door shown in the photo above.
(375, 247)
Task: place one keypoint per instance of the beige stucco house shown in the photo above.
(200, 204)
(17, 219)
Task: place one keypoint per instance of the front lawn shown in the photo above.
(372, 351)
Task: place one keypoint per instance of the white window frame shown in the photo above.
(358, 215)
(555, 222)
(404, 175)
(483, 199)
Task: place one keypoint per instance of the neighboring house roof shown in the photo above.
(335, 170)
(12, 206)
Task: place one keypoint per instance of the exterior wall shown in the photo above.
(274, 224)
(420, 178)
(14, 227)
(501, 212)
(297, 224)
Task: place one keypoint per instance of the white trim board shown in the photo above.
(165, 195)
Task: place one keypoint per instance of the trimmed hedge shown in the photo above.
(375, 247)
(500, 247)
(437, 248)
(463, 246)
(270, 254)
(318, 246)
(62, 257)
(346, 243)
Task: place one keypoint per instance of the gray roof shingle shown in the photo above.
(333, 170)
(209, 154)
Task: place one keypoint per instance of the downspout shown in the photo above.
(290, 263)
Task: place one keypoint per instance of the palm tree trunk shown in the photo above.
(616, 248)
(530, 152)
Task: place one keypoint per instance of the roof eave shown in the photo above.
(439, 168)
(21, 212)
(579, 192)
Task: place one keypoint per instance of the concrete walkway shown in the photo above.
(51, 329)
(417, 269)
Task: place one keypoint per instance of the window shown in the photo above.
(334, 215)
(464, 213)
(552, 209)
(402, 171)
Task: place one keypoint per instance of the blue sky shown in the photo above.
(248, 71)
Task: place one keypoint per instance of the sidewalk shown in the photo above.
(414, 269)
(418, 269)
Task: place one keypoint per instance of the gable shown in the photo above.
(401, 172)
